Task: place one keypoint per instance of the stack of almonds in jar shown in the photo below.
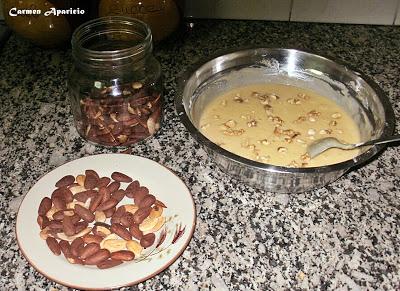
(82, 219)
(120, 115)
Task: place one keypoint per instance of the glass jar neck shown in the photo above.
(111, 41)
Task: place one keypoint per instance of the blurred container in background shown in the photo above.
(163, 16)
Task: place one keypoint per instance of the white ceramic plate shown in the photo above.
(163, 183)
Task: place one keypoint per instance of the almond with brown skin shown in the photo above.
(103, 182)
(140, 194)
(68, 226)
(121, 231)
(135, 231)
(65, 248)
(121, 177)
(44, 206)
(141, 214)
(65, 181)
(110, 203)
(126, 219)
(147, 240)
(93, 173)
(91, 180)
(91, 238)
(98, 257)
(43, 221)
(108, 264)
(122, 255)
(133, 187)
(147, 201)
(89, 250)
(95, 202)
(116, 218)
(55, 225)
(109, 212)
(85, 195)
(118, 195)
(75, 245)
(114, 186)
(59, 203)
(105, 194)
(75, 218)
(53, 245)
(79, 226)
(84, 213)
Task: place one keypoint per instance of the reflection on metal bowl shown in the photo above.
(353, 91)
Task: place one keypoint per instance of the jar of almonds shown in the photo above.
(115, 84)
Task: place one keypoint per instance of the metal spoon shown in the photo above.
(321, 145)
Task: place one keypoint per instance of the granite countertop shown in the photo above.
(344, 236)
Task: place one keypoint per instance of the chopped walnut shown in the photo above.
(264, 142)
(255, 94)
(300, 119)
(252, 123)
(291, 133)
(238, 99)
(276, 119)
(336, 115)
(303, 96)
(233, 132)
(273, 96)
(305, 157)
(217, 117)
(314, 114)
(299, 140)
(294, 101)
(282, 149)
(333, 123)
(268, 109)
(311, 131)
(293, 164)
(325, 131)
(230, 123)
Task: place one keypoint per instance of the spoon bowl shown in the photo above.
(321, 145)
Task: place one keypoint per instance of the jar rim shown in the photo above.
(85, 31)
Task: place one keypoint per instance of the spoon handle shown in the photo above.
(380, 140)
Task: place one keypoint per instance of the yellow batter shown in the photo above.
(274, 123)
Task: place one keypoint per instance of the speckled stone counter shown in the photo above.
(345, 236)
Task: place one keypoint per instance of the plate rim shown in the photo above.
(156, 272)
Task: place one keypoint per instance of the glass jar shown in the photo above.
(115, 85)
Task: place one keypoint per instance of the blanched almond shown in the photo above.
(134, 247)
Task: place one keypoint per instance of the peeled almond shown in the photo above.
(148, 224)
(160, 223)
(99, 216)
(114, 245)
(72, 204)
(132, 208)
(108, 237)
(134, 247)
(63, 236)
(50, 213)
(156, 211)
(80, 179)
(44, 233)
(77, 189)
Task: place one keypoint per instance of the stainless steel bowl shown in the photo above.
(356, 93)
